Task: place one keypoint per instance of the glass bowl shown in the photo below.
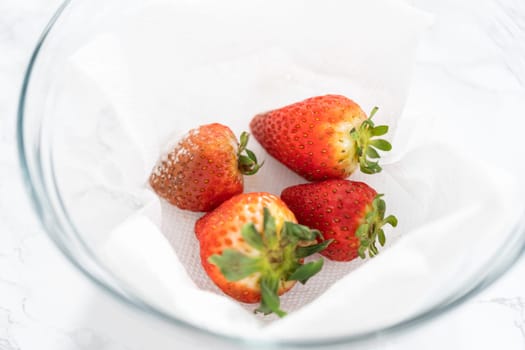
(65, 130)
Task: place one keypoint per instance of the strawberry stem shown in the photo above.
(366, 144)
(280, 258)
(371, 230)
(247, 162)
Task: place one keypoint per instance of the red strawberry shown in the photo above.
(204, 169)
(324, 137)
(349, 212)
(253, 249)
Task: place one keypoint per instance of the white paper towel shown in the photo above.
(450, 228)
(173, 65)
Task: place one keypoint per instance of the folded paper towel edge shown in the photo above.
(139, 257)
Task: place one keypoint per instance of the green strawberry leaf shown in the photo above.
(381, 237)
(362, 231)
(369, 167)
(251, 155)
(247, 164)
(306, 271)
(361, 251)
(243, 141)
(303, 252)
(252, 236)
(372, 153)
(391, 219)
(269, 297)
(278, 259)
(301, 232)
(369, 217)
(379, 130)
(379, 205)
(373, 112)
(355, 135)
(381, 144)
(270, 233)
(234, 265)
(365, 144)
(244, 160)
(372, 251)
(371, 230)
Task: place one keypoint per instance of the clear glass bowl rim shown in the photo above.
(510, 253)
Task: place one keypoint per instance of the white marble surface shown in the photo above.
(471, 64)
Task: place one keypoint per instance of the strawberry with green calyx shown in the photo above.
(252, 249)
(204, 169)
(323, 137)
(349, 212)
